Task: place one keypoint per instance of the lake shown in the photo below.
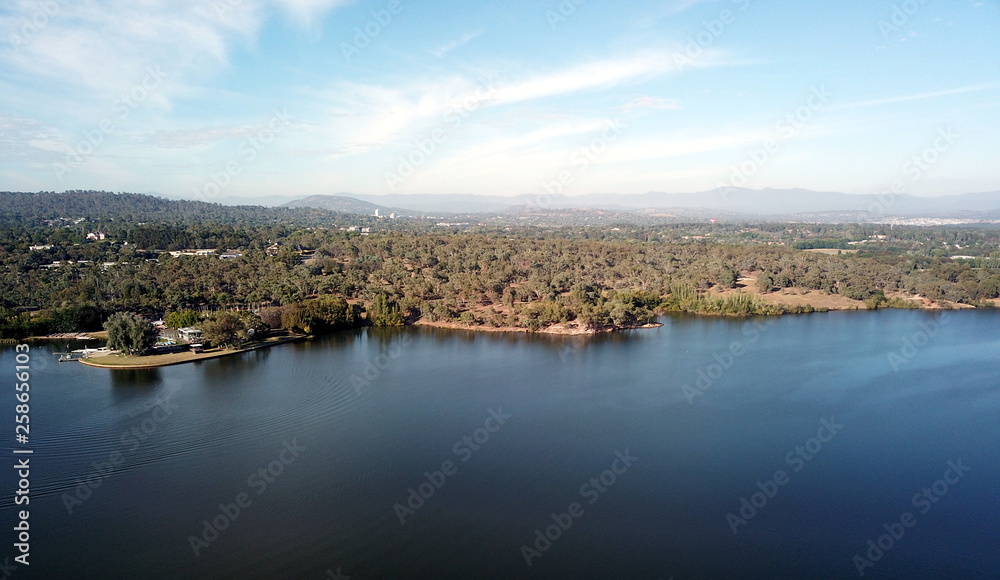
(816, 446)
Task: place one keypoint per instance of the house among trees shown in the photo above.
(96, 236)
(189, 334)
(199, 252)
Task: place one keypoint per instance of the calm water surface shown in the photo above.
(683, 430)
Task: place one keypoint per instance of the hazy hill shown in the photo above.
(34, 208)
(344, 204)
(750, 202)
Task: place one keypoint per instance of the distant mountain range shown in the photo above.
(749, 202)
(345, 204)
(731, 202)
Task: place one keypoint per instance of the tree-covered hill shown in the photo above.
(98, 207)
(477, 275)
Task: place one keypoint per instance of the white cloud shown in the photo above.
(96, 50)
(650, 102)
(522, 142)
(28, 139)
(602, 74)
(446, 48)
(365, 127)
(308, 12)
(917, 96)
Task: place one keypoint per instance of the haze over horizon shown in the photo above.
(254, 98)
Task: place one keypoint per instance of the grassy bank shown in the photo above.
(116, 361)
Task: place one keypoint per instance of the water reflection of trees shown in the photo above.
(144, 380)
(237, 363)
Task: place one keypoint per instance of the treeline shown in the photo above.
(528, 279)
(822, 243)
(102, 208)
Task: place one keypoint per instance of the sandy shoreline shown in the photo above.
(787, 297)
(569, 328)
(162, 360)
(798, 297)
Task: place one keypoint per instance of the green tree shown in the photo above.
(329, 312)
(181, 319)
(256, 328)
(225, 329)
(294, 317)
(129, 334)
(385, 312)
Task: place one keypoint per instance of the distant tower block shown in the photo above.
(376, 212)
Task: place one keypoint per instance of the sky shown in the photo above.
(207, 99)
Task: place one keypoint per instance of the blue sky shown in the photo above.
(214, 98)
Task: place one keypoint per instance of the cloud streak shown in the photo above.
(916, 97)
(446, 48)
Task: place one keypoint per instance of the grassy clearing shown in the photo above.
(116, 361)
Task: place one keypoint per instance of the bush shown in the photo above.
(385, 312)
(130, 334)
(181, 319)
(225, 329)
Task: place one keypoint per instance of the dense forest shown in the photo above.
(102, 208)
(53, 279)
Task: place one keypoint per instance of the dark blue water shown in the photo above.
(830, 423)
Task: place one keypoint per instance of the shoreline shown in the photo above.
(183, 357)
(91, 335)
(561, 329)
(564, 329)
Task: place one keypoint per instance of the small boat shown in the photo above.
(69, 358)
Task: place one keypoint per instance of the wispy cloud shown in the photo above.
(650, 102)
(98, 50)
(601, 74)
(385, 115)
(308, 12)
(450, 46)
(522, 142)
(916, 97)
(28, 139)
